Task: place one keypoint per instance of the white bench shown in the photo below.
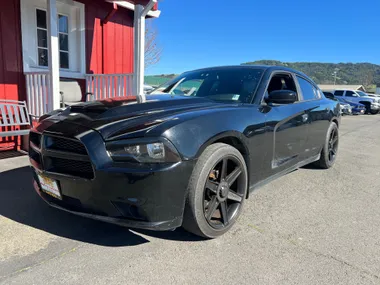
(14, 114)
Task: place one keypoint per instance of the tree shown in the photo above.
(152, 50)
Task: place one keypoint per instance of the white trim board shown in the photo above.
(130, 6)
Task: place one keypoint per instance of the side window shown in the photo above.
(187, 87)
(308, 90)
(350, 94)
(339, 93)
(281, 82)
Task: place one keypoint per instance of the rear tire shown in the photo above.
(374, 112)
(216, 192)
(330, 148)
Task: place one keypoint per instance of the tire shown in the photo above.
(330, 148)
(374, 112)
(211, 210)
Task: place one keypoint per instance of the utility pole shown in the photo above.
(335, 73)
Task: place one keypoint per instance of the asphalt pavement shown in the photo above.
(308, 227)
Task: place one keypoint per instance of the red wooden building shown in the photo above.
(95, 42)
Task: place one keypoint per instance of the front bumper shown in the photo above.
(358, 111)
(375, 106)
(147, 198)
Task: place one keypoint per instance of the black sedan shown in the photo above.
(190, 155)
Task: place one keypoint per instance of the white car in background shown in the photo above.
(147, 88)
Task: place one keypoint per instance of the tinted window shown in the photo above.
(222, 85)
(339, 93)
(350, 93)
(308, 90)
(188, 88)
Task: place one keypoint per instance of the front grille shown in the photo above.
(64, 144)
(69, 166)
(35, 138)
(35, 156)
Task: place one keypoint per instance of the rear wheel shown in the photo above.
(374, 112)
(330, 148)
(216, 192)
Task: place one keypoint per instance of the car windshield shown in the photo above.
(223, 85)
(362, 94)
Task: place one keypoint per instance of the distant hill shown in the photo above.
(155, 80)
(366, 74)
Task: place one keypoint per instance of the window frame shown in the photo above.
(68, 39)
(47, 32)
(316, 88)
(281, 72)
(77, 39)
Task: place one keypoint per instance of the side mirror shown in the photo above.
(282, 97)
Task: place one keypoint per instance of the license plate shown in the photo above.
(49, 186)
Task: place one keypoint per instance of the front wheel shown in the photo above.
(216, 192)
(330, 148)
(374, 112)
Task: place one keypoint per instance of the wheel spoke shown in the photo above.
(333, 151)
(332, 133)
(223, 173)
(213, 186)
(233, 176)
(334, 140)
(211, 208)
(234, 196)
(224, 213)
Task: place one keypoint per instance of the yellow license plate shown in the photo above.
(49, 186)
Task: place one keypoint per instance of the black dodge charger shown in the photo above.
(190, 155)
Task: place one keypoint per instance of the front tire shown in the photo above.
(216, 192)
(374, 112)
(330, 148)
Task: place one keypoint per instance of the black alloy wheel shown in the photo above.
(333, 145)
(330, 148)
(224, 192)
(217, 190)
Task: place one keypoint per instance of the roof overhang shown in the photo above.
(130, 6)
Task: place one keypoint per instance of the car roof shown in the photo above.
(269, 68)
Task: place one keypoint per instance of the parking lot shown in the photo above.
(309, 227)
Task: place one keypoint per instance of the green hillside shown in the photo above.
(366, 74)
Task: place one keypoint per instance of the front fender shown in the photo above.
(193, 136)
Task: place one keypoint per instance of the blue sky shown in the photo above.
(201, 33)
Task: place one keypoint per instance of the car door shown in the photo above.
(287, 125)
(316, 109)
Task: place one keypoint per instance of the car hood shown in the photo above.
(113, 118)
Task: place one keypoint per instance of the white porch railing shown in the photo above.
(38, 90)
(104, 86)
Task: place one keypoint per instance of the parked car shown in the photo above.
(372, 104)
(147, 88)
(184, 160)
(347, 107)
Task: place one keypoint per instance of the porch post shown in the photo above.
(139, 40)
(55, 98)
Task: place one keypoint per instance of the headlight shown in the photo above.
(160, 151)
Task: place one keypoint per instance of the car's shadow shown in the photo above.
(19, 202)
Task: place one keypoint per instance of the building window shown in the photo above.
(42, 42)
